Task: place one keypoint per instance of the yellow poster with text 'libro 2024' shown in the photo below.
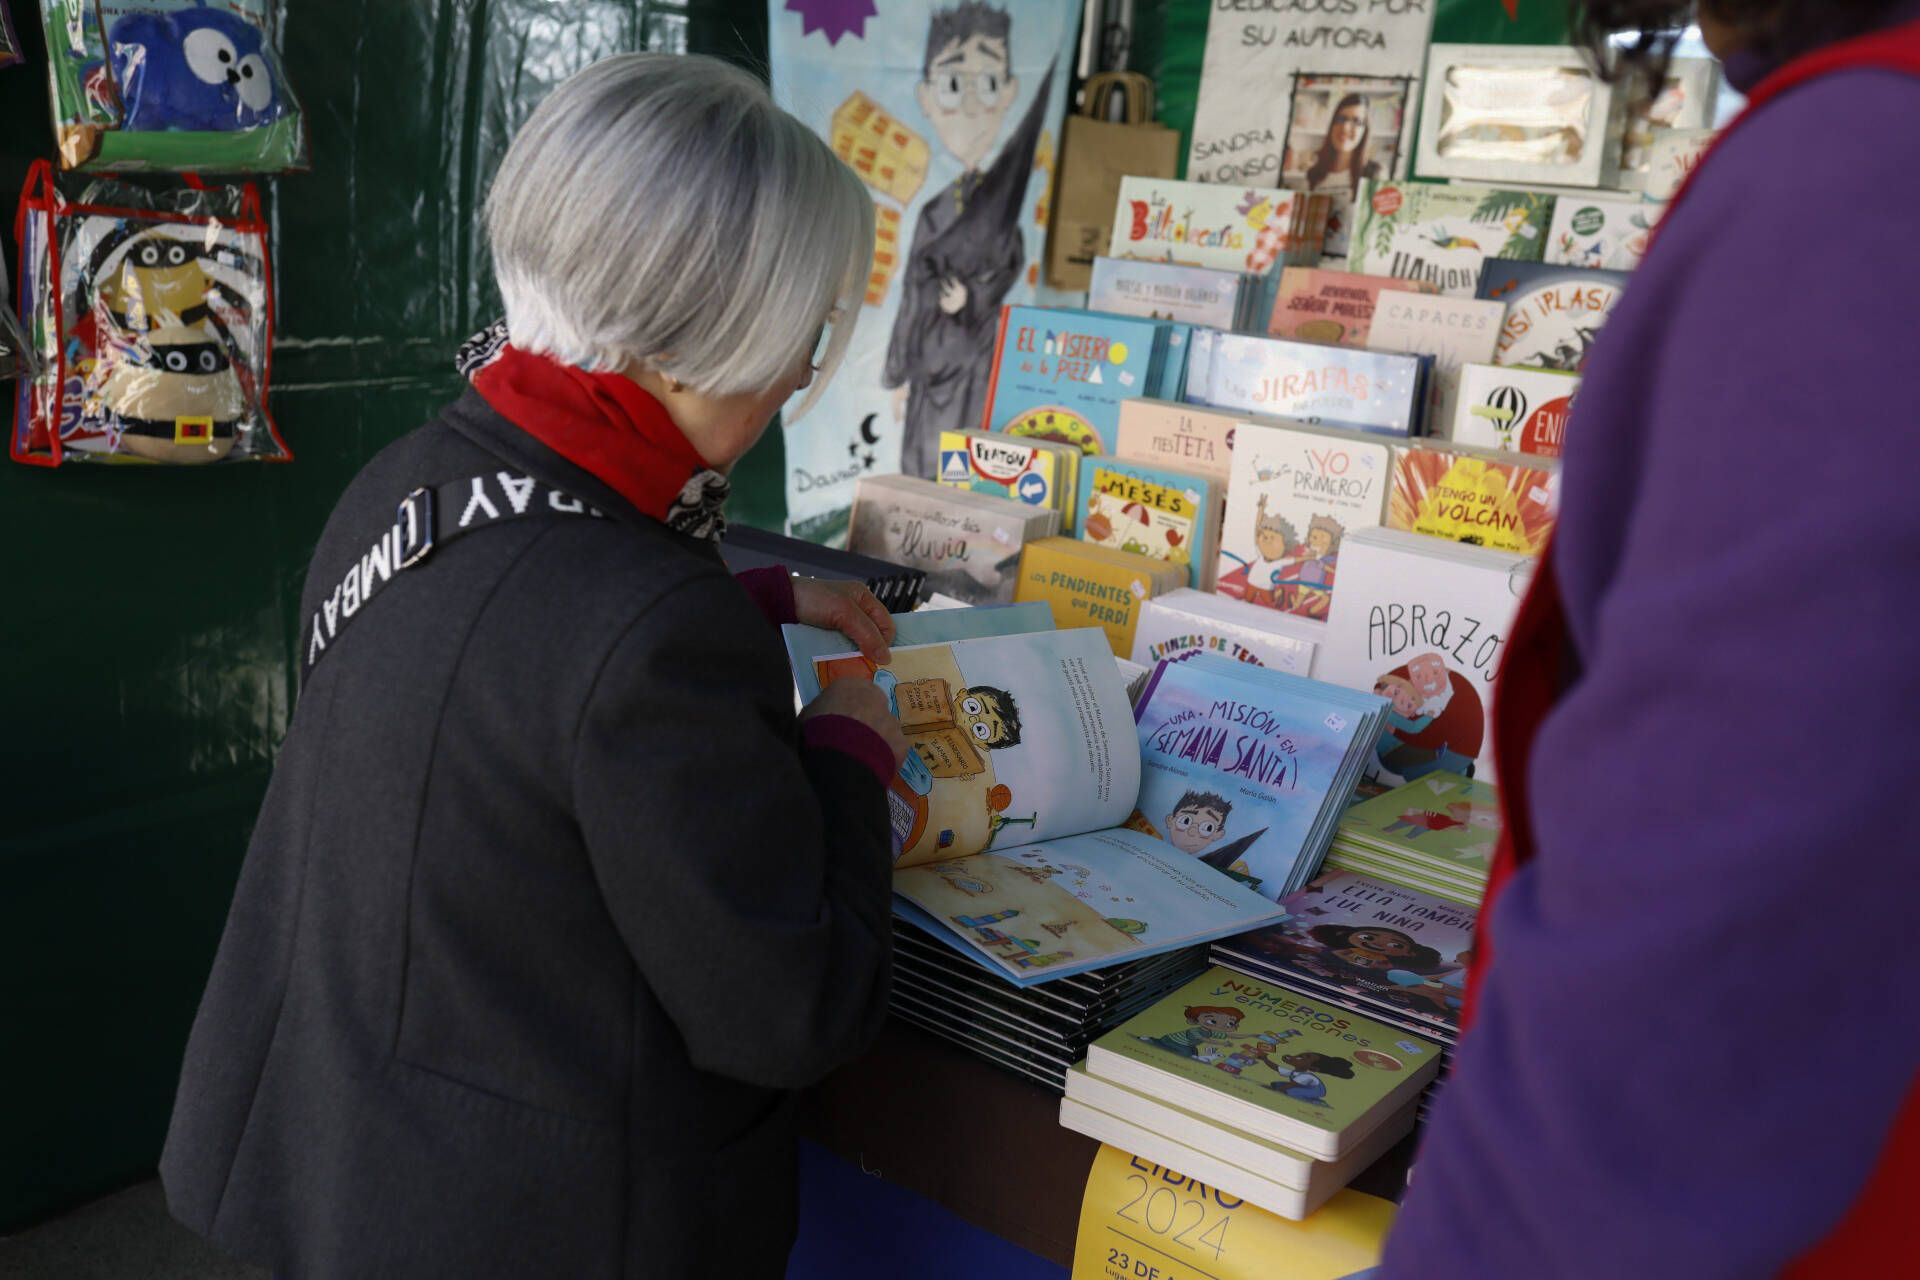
(1143, 1221)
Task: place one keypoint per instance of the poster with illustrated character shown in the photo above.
(1234, 775)
(949, 110)
(1423, 622)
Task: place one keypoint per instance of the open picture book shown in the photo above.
(1039, 832)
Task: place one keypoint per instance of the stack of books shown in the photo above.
(1371, 946)
(967, 544)
(1037, 1032)
(1168, 291)
(1435, 834)
(1258, 1090)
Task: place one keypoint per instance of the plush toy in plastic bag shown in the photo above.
(170, 84)
(150, 314)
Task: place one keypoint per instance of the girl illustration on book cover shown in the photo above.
(1303, 1083)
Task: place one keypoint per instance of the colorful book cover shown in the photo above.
(1370, 390)
(1553, 313)
(1483, 502)
(1423, 623)
(1455, 331)
(1443, 235)
(968, 544)
(1184, 623)
(1501, 407)
(1238, 775)
(1061, 375)
(1166, 291)
(1182, 436)
(1055, 907)
(1379, 941)
(1202, 224)
(1093, 586)
(1441, 818)
(1040, 473)
(1293, 499)
(1611, 234)
(1337, 307)
(1165, 515)
(1013, 739)
(1293, 1068)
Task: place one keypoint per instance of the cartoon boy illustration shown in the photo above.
(1199, 819)
(988, 716)
(1206, 1025)
(1303, 1083)
(967, 250)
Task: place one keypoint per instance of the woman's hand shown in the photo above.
(850, 609)
(861, 700)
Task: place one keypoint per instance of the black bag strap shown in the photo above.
(426, 520)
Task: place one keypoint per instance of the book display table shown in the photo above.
(925, 1115)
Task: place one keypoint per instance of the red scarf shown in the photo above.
(608, 426)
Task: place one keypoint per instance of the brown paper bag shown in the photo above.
(1095, 153)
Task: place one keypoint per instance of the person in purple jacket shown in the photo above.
(1718, 765)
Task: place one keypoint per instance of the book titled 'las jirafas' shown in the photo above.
(1443, 235)
(1373, 391)
(1483, 498)
(1284, 1066)
(1553, 313)
(1168, 515)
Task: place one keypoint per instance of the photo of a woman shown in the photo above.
(1343, 160)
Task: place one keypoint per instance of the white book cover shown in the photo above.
(1267, 65)
(1166, 291)
(1611, 232)
(1509, 407)
(1293, 499)
(1180, 624)
(1424, 623)
(1454, 331)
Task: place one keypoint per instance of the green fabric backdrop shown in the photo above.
(147, 647)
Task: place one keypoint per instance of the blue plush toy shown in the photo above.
(195, 69)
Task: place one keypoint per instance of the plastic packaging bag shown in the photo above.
(170, 85)
(150, 313)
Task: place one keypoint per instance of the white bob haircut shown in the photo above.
(660, 209)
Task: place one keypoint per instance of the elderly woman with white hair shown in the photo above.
(553, 900)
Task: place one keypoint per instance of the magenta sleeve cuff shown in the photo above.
(850, 738)
(771, 589)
